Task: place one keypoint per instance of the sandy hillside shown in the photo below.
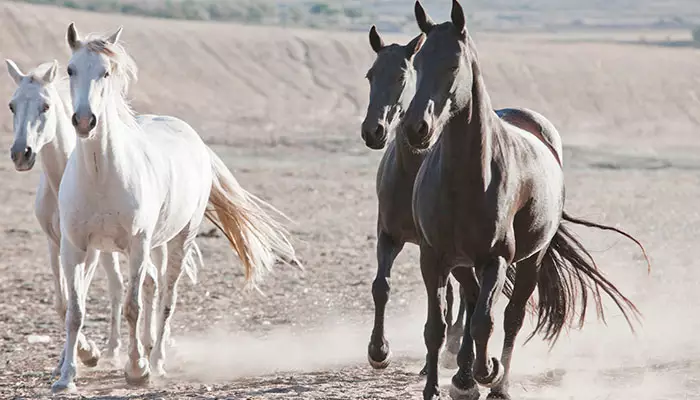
(283, 107)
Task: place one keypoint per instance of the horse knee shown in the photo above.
(60, 307)
(381, 290)
(435, 333)
(132, 309)
(75, 318)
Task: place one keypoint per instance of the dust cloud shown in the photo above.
(659, 361)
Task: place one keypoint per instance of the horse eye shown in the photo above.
(12, 108)
(45, 107)
(70, 71)
(106, 74)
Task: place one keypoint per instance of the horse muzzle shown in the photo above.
(375, 137)
(84, 125)
(24, 160)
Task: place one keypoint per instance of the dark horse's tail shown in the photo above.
(568, 275)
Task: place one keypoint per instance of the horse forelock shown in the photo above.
(124, 67)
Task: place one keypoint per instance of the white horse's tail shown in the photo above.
(256, 237)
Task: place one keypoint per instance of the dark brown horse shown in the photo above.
(489, 195)
(392, 86)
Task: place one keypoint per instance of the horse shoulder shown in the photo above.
(46, 210)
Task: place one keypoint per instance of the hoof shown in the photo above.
(90, 357)
(448, 360)
(494, 378)
(159, 370)
(139, 381)
(498, 396)
(464, 394)
(60, 387)
(379, 364)
(91, 362)
(140, 376)
(379, 357)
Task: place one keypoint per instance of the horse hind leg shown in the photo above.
(137, 370)
(150, 295)
(378, 351)
(525, 282)
(487, 371)
(177, 250)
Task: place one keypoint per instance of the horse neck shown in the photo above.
(406, 157)
(54, 155)
(468, 139)
(102, 154)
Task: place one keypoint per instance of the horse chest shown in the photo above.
(104, 229)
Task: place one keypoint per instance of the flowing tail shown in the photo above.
(256, 237)
(568, 276)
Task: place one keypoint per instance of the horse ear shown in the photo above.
(73, 37)
(14, 71)
(375, 40)
(425, 23)
(414, 45)
(114, 38)
(458, 19)
(50, 73)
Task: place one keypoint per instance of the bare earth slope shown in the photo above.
(283, 107)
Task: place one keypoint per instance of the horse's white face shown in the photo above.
(89, 70)
(89, 86)
(34, 115)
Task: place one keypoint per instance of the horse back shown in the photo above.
(536, 124)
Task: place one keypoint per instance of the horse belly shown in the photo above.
(188, 196)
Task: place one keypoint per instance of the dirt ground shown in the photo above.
(282, 108)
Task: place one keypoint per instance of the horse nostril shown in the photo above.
(27, 153)
(13, 156)
(93, 121)
(74, 120)
(379, 132)
(423, 128)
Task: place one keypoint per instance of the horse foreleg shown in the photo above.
(110, 263)
(487, 371)
(73, 261)
(88, 352)
(435, 278)
(137, 370)
(526, 276)
(378, 352)
(464, 386)
(150, 298)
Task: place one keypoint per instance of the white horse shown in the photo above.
(41, 117)
(131, 185)
(42, 126)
